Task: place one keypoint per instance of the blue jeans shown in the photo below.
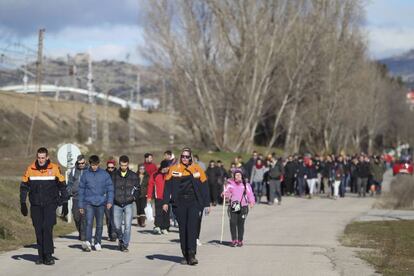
(96, 212)
(123, 214)
(301, 186)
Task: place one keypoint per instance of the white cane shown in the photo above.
(222, 219)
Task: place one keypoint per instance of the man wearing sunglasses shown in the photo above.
(187, 191)
(109, 213)
(73, 191)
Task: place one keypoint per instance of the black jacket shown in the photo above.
(213, 175)
(290, 169)
(173, 191)
(311, 172)
(363, 169)
(126, 189)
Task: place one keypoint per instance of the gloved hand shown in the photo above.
(23, 209)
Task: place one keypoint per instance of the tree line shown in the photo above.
(289, 73)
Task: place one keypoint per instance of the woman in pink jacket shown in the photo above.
(241, 197)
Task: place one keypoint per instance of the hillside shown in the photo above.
(402, 65)
(68, 121)
(116, 77)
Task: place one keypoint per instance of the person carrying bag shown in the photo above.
(241, 198)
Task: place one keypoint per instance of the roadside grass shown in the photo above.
(15, 230)
(391, 244)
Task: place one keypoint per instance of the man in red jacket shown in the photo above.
(149, 166)
(155, 190)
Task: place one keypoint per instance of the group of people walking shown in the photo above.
(182, 189)
(177, 185)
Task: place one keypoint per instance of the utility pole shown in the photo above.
(39, 68)
(164, 95)
(130, 124)
(105, 126)
(57, 94)
(138, 99)
(94, 121)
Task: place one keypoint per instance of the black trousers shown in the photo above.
(188, 217)
(213, 192)
(141, 203)
(80, 220)
(162, 218)
(290, 185)
(237, 220)
(109, 218)
(43, 219)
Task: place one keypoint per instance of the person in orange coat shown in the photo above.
(187, 191)
(47, 189)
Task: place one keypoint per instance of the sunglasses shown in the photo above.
(185, 156)
(111, 168)
(81, 163)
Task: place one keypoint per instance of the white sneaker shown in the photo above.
(164, 231)
(275, 200)
(98, 247)
(156, 230)
(86, 246)
(199, 242)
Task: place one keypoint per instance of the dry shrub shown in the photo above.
(401, 195)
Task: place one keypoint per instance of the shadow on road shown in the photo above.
(217, 242)
(145, 231)
(33, 246)
(26, 257)
(69, 237)
(175, 240)
(110, 247)
(76, 246)
(174, 259)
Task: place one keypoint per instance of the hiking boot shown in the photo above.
(49, 260)
(39, 261)
(184, 261)
(192, 259)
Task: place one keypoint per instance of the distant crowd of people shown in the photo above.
(180, 190)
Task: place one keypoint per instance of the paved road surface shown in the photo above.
(300, 237)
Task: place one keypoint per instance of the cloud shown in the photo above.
(25, 17)
(390, 27)
(389, 41)
(104, 42)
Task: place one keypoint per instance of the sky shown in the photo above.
(112, 29)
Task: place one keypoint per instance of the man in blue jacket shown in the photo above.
(96, 192)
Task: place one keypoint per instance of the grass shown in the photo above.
(392, 244)
(15, 229)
